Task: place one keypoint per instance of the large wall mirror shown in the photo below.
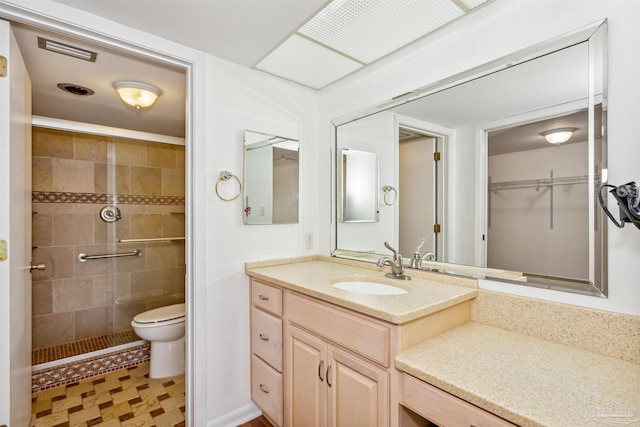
(496, 168)
(270, 179)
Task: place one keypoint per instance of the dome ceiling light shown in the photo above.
(558, 136)
(137, 94)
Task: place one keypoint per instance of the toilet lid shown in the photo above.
(161, 314)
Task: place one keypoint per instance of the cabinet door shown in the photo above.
(305, 372)
(358, 392)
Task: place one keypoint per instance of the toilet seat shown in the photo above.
(167, 315)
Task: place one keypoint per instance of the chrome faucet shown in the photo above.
(395, 263)
(417, 257)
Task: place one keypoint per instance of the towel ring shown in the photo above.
(226, 176)
(387, 189)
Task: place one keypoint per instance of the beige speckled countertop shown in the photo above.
(314, 276)
(526, 380)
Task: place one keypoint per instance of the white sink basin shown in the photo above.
(370, 288)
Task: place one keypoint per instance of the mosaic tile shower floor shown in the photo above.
(75, 348)
(123, 398)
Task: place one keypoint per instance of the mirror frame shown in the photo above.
(598, 286)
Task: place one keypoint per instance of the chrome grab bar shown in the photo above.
(84, 257)
(155, 239)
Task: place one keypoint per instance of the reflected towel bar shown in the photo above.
(84, 257)
(155, 239)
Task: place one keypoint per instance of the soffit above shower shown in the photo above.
(347, 35)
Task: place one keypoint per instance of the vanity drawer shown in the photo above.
(266, 297)
(363, 336)
(266, 390)
(443, 408)
(266, 337)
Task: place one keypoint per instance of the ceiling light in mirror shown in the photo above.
(558, 136)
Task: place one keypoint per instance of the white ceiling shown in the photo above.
(241, 31)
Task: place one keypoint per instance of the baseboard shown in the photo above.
(237, 417)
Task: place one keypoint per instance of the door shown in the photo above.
(358, 392)
(15, 230)
(306, 389)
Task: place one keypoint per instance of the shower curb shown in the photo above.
(70, 373)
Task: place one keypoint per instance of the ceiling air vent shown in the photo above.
(66, 49)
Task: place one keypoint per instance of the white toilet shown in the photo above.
(164, 328)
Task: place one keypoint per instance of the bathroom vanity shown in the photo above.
(325, 356)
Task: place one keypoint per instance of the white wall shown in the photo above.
(226, 100)
(561, 251)
(374, 134)
(238, 99)
(258, 185)
(496, 30)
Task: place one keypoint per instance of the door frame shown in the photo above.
(445, 141)
(194, 64)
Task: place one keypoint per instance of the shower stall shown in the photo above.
(109, 223)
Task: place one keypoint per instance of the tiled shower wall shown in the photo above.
(74, 176)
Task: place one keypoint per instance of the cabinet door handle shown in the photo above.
(263, 298)
(263, 337)
(327, 374)
(264, 389)
(320, 370)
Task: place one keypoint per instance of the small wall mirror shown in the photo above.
(494, 195)
(358, 175)
(271, 181)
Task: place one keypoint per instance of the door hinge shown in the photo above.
(436, 156)
(3, 250)
(436, 228)
(3, 66)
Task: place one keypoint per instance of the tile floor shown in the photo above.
(56, 352)
(123, 398)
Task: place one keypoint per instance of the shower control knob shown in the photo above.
(40, 266)
(110, 214)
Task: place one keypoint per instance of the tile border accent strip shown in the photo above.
(128, 199)
(75, 371)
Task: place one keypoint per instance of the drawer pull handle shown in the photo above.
(327, 374)
(263, 337)
(264, 389)
(320, 370)
(263, 298)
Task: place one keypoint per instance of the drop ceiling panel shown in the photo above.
(369, 30)
(472, 3)
(308, 63)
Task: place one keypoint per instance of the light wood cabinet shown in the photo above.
(444, 409)
(306, 366)
(330, 381)
(358, 392)
(315, 364)
(329, 386)
(266, 348)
